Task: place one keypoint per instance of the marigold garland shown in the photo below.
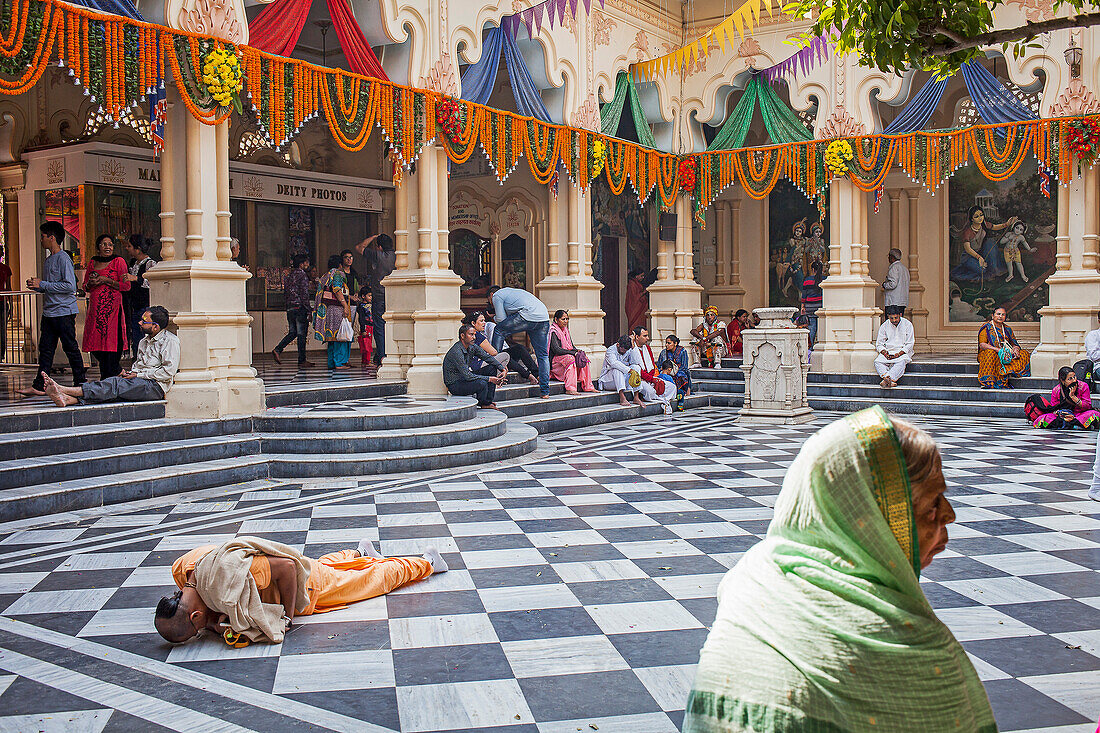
(118, 62)
(221, 73)
(837, 155)
(1083, 139)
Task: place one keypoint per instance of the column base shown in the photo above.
(674, 306)
(848, 325)
(580, 295)
(727, 299)
(207, 301)
(422, 318)
(1064, 323)
(796, 416)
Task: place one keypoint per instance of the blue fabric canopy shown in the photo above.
(479, 79)
(919, 109)
(994, 103)
(124, 8)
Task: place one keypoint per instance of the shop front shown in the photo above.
(277, 213)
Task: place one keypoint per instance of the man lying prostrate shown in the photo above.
(250, 589)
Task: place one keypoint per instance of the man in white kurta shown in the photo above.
(641, 360)
(894, 346)
(616, 371)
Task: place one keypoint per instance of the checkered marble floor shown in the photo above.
(582, 587)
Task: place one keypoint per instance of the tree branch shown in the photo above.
(1007, 35)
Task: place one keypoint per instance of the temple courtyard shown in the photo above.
(581, 588)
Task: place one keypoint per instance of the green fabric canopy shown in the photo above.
(780, 121)
(612, 112)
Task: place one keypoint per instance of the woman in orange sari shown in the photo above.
(1000, 356)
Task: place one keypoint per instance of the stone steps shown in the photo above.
(81, 493)
(363, 430)
(928, 388)
(517, 440)
(573, 412)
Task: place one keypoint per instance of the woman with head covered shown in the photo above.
(823, 626)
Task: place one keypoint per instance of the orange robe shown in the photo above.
(335, 580)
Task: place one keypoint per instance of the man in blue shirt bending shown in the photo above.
(518, 310)
(58, 288)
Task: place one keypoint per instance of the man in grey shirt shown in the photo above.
(896, 284)
(58, 287)
(518, 310)
(149, 378)
(460, 379)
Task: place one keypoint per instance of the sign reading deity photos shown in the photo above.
(1001, 245)
(797, 237)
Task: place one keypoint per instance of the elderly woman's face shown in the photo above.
(932, 513)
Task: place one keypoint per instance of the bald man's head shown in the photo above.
(175, 619)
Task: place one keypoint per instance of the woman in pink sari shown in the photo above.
(567, 364)
(1071, 404)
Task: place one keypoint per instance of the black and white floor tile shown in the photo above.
(582, 587)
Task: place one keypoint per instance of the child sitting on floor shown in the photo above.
(366, 325)
(671, 397)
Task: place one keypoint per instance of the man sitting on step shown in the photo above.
(619, 374)
(460, 379)
(250, 589)
(894, 346)
(148, 379)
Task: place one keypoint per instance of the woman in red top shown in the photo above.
(104, 324)
(739, 323)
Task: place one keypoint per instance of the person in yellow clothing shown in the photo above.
(331, 582)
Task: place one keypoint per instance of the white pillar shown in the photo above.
(422, 294)
(675, 301)
(569, 284)
(918, 313)
(727, 293)
(1075, 287)
(850, 317)
(196, 281)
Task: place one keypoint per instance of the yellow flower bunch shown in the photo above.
(837, 156)
(221, 73)
(599, 157)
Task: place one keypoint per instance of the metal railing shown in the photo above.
(19, 319)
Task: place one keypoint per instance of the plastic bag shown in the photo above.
(345, 333)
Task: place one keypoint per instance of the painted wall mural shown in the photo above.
(1002, 246)
(797, 237)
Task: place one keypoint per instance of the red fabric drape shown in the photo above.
(357, 51)
(277, 28)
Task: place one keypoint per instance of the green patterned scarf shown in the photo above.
(822, 627)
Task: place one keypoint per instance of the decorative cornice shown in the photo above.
(841, 124)
(441, 77)
(587, 115)
(220, 18)
(1076, 99)
(602, 25)
(1034, 10)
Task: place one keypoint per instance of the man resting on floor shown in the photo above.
(250, 589)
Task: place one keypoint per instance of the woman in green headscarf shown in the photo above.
(822, 627)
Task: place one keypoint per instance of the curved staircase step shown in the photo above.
(485, 425)
(517, 440)
(62, 496)
(398, 412)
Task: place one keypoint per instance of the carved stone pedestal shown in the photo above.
(776, 362)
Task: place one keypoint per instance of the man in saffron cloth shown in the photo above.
(250, 589)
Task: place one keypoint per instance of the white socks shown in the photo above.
(439, 565)
(366, 549)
